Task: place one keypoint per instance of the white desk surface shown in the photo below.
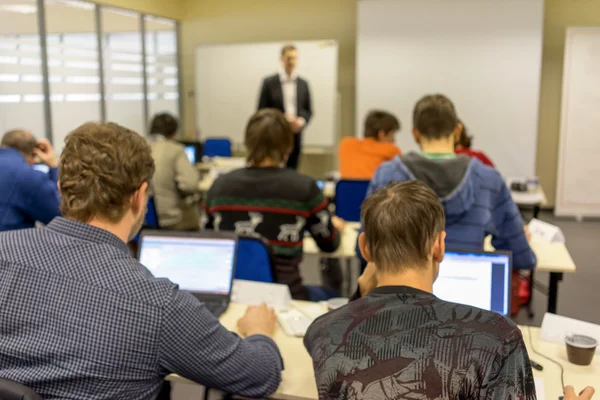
(552, 257)
(298, 381)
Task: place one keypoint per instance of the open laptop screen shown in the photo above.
(477, 279)
(190, 152)
(199, 265)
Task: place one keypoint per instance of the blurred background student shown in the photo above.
(463, 146)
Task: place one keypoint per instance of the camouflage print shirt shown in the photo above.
(402, 343)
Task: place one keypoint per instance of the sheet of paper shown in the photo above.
(548, 232)
(556, 327)
(254, 293)
(539, 388)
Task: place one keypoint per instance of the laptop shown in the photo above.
(476, 278)
(202, 263)
(190, 152)
(42, 168)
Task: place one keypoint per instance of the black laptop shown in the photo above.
(202, 263)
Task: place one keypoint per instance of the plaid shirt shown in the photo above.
(81, 319)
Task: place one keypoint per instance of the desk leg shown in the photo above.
(536, 210)
(555, 277)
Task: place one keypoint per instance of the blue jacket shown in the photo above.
(26, 195)
(475, 198)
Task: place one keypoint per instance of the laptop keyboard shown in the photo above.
(216, 308)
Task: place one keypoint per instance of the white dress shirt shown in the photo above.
(289, 89)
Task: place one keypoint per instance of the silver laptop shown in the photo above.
(202, 263)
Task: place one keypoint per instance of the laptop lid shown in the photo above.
(476, 278)
(202, 263)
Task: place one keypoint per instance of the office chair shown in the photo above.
(254, 261)
(10, 390)
(150, 221)
(349, 195)
(217, 147)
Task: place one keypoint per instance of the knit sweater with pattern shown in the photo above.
(279, 204)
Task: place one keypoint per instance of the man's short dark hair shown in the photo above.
(286, 48)
(268, 135)
(378, 121)
(164, 124)
(401, 222)
(20, 140)
(435, 117)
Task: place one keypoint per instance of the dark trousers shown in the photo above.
(294, 158)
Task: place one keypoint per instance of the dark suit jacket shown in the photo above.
(271, 96)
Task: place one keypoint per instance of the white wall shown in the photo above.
(484, 54)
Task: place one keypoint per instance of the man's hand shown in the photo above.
(586, 394)
(258, 320)
(45, 153)
(338, 223)
(527, 233)
(368, 280)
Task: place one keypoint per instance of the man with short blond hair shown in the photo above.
(401, 341)
(82, 319)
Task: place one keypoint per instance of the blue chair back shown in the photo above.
(217, 147)
(151, 218)
(349, 195)
(254, 259)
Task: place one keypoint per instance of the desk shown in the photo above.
(535, 200)
(576, 376)
(552, 257)
(298, 379)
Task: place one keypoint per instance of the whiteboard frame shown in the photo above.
(562, 207)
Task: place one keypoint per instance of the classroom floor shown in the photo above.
(578, 294)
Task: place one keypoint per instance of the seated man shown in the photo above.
(401, 341)
(176, 180)
(360, 158)
(475, 198)
(275, 202)
(27, 195)
(82, 319)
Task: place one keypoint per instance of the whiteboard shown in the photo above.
(483, 54)
(229, 79)
(578, 186)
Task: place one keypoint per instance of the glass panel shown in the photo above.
(123, 77)
(21, 97)
(72, 66)
(161, 60)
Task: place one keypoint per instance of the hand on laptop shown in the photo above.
(368, 280)
(338, 223)
(258, 320)
(586, 394)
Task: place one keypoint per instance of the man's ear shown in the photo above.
(139, 198)
(416, 135)
(364, 250)
(381, 135)
(439, 248)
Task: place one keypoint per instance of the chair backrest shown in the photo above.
(10, 390)
(349, 195)
(217, 147)
(254, 259)
(151, 218)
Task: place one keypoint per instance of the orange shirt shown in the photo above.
(360, 158)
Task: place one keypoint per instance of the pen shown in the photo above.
(537, 366)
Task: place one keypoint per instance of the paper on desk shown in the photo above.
(540, 391)
(254, 293)
(548, 232)
(556, 327)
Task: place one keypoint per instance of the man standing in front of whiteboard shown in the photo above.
(289, 93)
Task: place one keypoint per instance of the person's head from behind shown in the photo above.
(289, 58)
(22, 141)
(403, 230)
(435, 121)
(269, 138)
(164, 124)
(464, 141)
(381, 126)
(104, 174)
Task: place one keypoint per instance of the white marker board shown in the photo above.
(484, 54)
(229, 79)
(578, 186)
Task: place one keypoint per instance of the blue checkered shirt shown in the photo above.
(81, 319)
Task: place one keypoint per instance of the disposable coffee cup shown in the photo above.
(581, 349)
(336, 302)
